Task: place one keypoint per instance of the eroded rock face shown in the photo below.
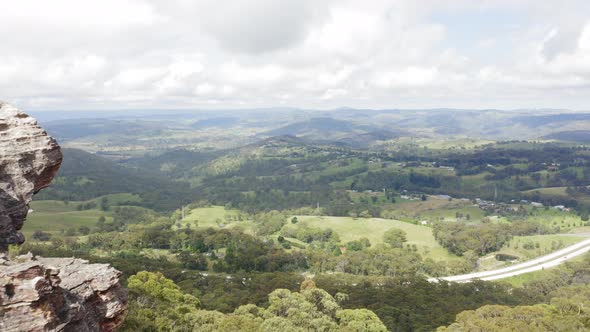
(60, 294)
(29, 159)
(45, 294)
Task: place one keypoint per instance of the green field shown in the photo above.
(546, 245)
(373, 228)
(55, 216)
(213, 216)
(348, 228)
(118, 199)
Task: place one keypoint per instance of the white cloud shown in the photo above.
(333, 93)
(250, 53)
(411, 76)
(584, 40)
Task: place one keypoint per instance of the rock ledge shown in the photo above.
(60, 294)
(45, 294)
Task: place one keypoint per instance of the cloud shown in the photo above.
(257, 26)
(84, 54)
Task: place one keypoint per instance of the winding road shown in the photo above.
(556, 258)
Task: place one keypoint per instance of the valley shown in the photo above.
(381, 209)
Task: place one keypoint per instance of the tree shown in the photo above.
(294, 220)
(395, 237)
(104, 203)
(84, 230)
(359, 320)
(156, 303)
(192, 260)
(41, 236)
(101, 220)
(71, 231)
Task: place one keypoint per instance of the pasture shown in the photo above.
(55, 216)
(373, 228)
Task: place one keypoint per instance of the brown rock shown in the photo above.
(29, 159)
(45, 294)
(60, 294)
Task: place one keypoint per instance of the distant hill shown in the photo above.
(222, 122)
(137, 133)
(85, 176)
(331, 131)
(541, 120)
(174, 163)
(65, 130)
(286, 140)
(579, 136)
(315, 125)
(364, 140)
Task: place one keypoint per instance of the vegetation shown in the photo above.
(158, 304)
(295, 233)
(567, 311)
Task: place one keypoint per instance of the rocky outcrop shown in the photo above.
(45, 294)
(60, 294)
(29, 159)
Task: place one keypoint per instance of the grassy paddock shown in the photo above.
(373, 228)
(53, 216)
(214, 216)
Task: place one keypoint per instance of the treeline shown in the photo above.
(561, 297)
(380, 180)
(277, 182)
(84, 176)
(482, 238)
(158, 304)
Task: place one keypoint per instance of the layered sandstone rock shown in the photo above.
(29, 159)
(45, 294)
(60, 294)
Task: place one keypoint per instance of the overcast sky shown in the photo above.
(125, 54)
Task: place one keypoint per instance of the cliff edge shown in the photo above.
(45, 294)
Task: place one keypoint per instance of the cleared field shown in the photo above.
(558, 192)
(373, 228)
(433, 209)
(53, 216)
(555, 218)
(347, 228)
(119, 199)
(216, 217)
(532, 246)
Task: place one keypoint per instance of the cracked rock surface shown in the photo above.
(37, 293)
(60, 294)
(29, 159)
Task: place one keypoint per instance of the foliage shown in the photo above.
(156, 303)
(567, 311)
(395, 238)
(483, 238)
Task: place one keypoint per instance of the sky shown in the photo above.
(316, 54)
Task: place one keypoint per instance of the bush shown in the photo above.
(41, 236)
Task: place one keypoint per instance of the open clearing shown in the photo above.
(373, 228)
(53, 216)
(214, 216)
